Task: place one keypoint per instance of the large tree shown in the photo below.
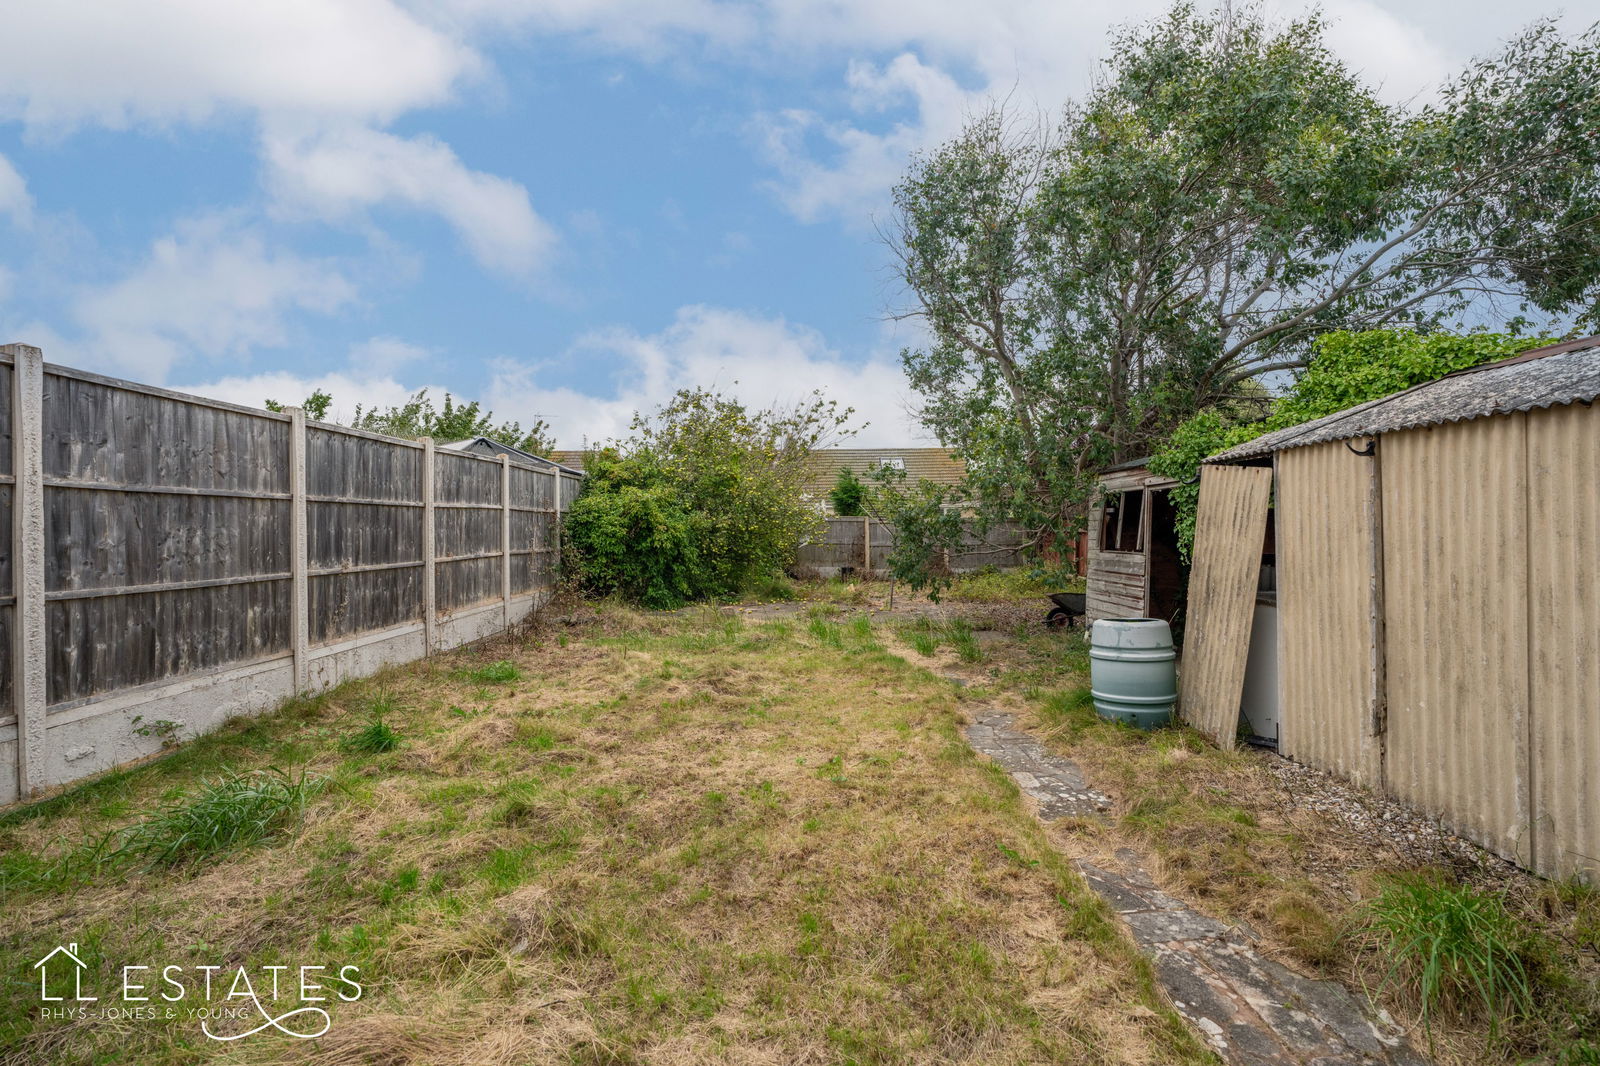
(1227, 192)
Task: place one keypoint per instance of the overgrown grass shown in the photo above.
(1452, 947)
(502, 672)
(774, 588)
(992, 585)
(1493, 977)
(219, 816)
(959, 633)
(375, 738)
(685, 839)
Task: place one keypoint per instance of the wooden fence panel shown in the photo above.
(7, 584)
(166, 551)
(218, 558)
(841, 543)
(364, 529)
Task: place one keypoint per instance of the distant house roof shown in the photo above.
(931, 464)
(572, 460)
(1553, 376)
(486, 446)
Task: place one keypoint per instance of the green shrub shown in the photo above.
(1452, 947)
(631, 536)
(703, 500)
(848, 495)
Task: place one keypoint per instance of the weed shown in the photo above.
(502, 672)
(961, 639)
(992, 585)
(224, 814)
(1016, 857)
(773, 588)
(828, 634)
(164, 729)
(374, 738)
(1452, 946)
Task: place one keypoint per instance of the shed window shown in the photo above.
(1122, 526)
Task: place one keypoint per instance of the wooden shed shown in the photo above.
(1438, 602)
(1134, 570)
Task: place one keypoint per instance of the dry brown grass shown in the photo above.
(674, 839)
(1220, 830)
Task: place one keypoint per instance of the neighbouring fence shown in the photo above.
(863, 545)
(175, 561)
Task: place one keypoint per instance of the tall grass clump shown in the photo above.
(373, 739)
(962, 640)
(1452, 947)
(828, 634)
(770, 588)
(497, 673)
(224, 814)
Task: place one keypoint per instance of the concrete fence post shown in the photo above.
(27, 565)
(299, 580)
(505, 541)
(430, 610)
(555, 530)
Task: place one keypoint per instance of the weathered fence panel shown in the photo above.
(180, 568)
(163, 551)
(859, 544)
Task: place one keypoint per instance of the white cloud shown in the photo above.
(1396, 56)
(14, 198)
(211, 291)
(349, 388)
(384, 354)
(763, 361)
(955, 58)
(336, 174)
(77, 61)
(858, 166)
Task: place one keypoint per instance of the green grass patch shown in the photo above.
(375, 738)
(961, 638)
(220, 816)
(1453, 947)
(502, 672)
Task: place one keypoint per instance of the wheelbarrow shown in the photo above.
(1068, 605)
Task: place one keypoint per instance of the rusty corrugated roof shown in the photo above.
(1553, 376)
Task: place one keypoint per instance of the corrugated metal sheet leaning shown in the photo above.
(1439, 626)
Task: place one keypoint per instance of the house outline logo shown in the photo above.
(71, 952)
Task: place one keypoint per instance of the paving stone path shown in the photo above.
(1251, 1010)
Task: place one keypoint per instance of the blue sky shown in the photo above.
(565, 209)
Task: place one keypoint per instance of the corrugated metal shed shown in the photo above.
(1554, 376)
